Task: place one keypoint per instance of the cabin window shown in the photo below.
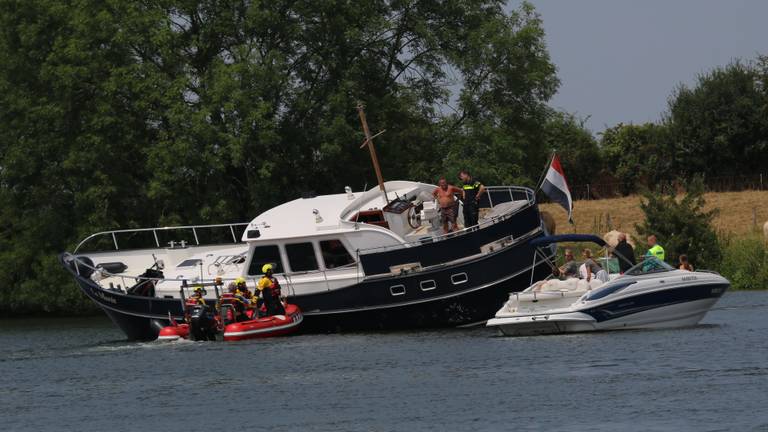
(301, 257)
(335, 254)
(265, 255)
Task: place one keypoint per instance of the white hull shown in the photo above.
(673, 316)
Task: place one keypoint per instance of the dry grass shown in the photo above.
(737, 211)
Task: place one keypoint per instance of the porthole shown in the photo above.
(428, 285)
(397, 290)
(459, 278)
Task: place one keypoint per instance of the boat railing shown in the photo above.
(195, 235)
(186, 283)
(496, 195)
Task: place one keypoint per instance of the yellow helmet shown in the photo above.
(198, 288)
(266, 267)
(240, 280)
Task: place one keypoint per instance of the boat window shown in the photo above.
(335, 254)
(189, 263)
(269, 254)
(649, 265)
(301, 257)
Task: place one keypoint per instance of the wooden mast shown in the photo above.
(369, 142)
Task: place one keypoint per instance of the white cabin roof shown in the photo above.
(297, 218)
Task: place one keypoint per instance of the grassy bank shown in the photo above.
(736, 213)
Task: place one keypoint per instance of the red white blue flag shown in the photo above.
(556, 187)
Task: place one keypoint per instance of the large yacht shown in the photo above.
(376, 259)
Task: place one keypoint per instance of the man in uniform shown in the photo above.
(270, 292)
(472, 191)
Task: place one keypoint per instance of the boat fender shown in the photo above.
(83, 266)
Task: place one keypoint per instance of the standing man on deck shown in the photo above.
(472, 190)
(446, 198)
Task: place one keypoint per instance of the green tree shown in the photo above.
(719, 125)
(578, 150)
(638, 155)
(681, 224)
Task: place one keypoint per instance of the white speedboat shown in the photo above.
(652, 294)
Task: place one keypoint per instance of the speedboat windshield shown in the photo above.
(649, 265)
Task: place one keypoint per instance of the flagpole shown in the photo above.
(544, 174)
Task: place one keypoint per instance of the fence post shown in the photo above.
(761, 181)
(587, 191)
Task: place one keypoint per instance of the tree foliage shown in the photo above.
(719, 126)
(681, 224)
(123, 114)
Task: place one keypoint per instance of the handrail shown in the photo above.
(531, 199)
(155, 230)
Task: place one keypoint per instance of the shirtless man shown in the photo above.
(445, 195)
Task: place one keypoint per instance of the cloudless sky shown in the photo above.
(620, 60)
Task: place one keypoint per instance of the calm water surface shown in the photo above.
(79, 375)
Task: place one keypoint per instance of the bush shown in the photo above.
(745, 262)
(681, 225)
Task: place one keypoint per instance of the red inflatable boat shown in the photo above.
(174, 332)
(276, 325)
(206, 326)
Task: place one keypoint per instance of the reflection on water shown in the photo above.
(81, 375)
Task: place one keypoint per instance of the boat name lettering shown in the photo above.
(717, 290)
(689, 278)
(102, 296)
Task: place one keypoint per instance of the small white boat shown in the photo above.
(652, 294)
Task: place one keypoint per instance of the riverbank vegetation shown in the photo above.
(123, 114)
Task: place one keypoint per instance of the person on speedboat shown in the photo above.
(571, 268)
(684, 264)
(654, 248)
(446, 198)
(269, 288)
(590, 269)
(625, 253)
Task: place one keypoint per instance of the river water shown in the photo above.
(70, 374)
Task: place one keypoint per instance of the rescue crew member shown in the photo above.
(472, 191)
(239, 302)
(269, 289)
(654, 249)
(197, 296)
(242, 289)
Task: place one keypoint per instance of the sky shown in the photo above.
(620, 60)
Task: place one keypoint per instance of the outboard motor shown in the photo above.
(202, 325)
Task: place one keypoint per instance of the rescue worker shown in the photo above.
(239, 303)
(269, 289)
(197, 296)
(654, 249)
(242, 289)
(472, 191)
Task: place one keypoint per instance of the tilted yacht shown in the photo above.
(368, 260)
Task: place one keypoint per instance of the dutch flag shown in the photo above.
(556, 187)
